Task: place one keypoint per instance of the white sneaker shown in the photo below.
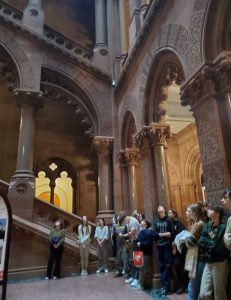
(134, 283)
(98, 271)
(129, 280)
(47, 278)
(86, 273)
(137, 287)
(82, 273)
(106, 270)
(55, 277)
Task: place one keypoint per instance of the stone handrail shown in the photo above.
(46, 214)
(49, 34)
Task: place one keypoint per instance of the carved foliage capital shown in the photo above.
(103, 145)
(159, 134)
(132, 156)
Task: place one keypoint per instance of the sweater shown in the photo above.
(145, 238)
(212, 244)
(57, 237)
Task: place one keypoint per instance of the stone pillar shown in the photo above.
(132, 156)
(104, 146)
(100, 49)
(206, 94)
(159, 135)
(178, 200)
(33, 16)
(22, 186)
(143, 10)
(123, 29)
(134, 22)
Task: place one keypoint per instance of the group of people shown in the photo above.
(197, 259)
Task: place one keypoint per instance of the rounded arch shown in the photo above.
(217, 29)
(166, 67)
(128, 129)
(193, 164)
(25, 73)
(61, 88)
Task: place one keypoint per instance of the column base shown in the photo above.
(107, 215)
(101, 57)
(21, 194)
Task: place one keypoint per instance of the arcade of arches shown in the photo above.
(96, 120)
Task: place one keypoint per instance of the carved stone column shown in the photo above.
(207, 95)
(123, 29)
(100, 49)
(178, 200)
(159, 135)
(134, 22)
(103, 146)
(132, 156)
(22, 186)
(33, 16)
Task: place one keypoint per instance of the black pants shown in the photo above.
(165, 259)
(55, 257)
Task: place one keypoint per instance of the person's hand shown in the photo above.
(120, 234)
(138, 244)
(168, 234)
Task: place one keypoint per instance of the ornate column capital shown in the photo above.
(141, 138)
(102, 144)
(25, 98)
(159, 134)
(212, 78)
(132, 156)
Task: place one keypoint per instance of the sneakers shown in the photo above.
(137, 287)
(47, 278)
(129, 280)
(98, 271)
(82, 273)
(106, 270)
(134, 283)
(55, 277)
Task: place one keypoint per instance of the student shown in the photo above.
(164, 236)
(101, 236)
(145, 243)
(56, 238)
(226, 200)
(195, 218)
(215, 274)
(84, 233)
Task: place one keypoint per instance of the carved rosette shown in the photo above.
(213, 78)
(103, 145)
(29, 98)
(159, 134)
(132, 156)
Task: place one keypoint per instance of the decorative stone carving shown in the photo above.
(132, 156)
(103, 145)
(159, 134)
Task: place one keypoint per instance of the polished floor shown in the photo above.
(92, 287)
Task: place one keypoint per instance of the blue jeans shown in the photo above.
(195, 283)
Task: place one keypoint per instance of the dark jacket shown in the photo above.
(146, 238)
(162, 225)
(212, 244)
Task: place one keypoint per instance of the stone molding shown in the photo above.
(131, 156)
(25, 98)
(103, 145)
(212, 78)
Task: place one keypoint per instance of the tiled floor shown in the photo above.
(92, 287)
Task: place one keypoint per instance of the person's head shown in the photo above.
(121, 218)
(84, 220)
(194, 213)
(161, 211)
(57, 224)
(215, 213)
(172, 213)
(101, 222)
(145, 224)
(205, 205)
(226, 198)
